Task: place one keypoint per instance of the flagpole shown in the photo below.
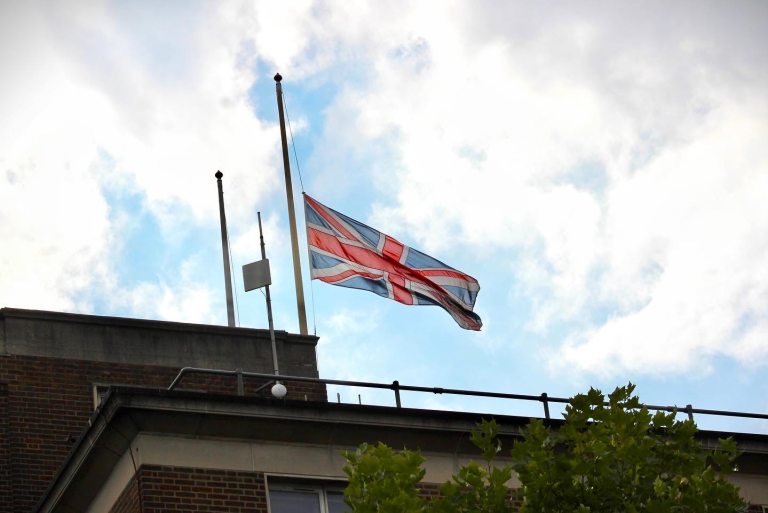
(225, 254)
(291, 214)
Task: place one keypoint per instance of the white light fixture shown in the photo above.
(279, 390)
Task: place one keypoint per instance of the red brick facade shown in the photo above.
(165, 488)
(432, 491)
(129, 501)
(44, 402)
(6, 502)
(180, 489)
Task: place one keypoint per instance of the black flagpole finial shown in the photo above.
(219, 174)
(278, 78)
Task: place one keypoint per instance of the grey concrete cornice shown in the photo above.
(3, 351)
(103, 320)
(128, 411)
(96, 338)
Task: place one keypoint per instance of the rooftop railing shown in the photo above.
(396, 387)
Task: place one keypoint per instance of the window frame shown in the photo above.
(320, 486)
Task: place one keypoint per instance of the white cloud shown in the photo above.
(686, 244)
(616, 154)
(54, 223)
(55, 234)
(173, 128)
(177, 296)
(123, 97)
(184, 303)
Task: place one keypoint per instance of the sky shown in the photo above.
(599, 167)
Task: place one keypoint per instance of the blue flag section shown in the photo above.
(348, 253)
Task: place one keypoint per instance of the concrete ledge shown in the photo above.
(144, 342)
(238, 426)
(21, 313)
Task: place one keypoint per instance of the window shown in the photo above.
(306, 497)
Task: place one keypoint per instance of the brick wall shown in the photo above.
(166, 488)
(180, 489)
(46, 401)
(431, 491)
(128, 502)
(6, 500)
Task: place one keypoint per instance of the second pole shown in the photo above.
(291, 214)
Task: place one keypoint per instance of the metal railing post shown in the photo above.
(546, 405)
(396, 388)
(240, 386)
(689, 411)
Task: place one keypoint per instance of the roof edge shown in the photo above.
(47, 315)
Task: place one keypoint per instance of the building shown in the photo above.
(87, 423)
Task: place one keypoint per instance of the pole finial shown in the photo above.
(278, 78)
(218, 175)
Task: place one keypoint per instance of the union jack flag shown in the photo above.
(348, 253)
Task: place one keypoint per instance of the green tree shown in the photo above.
(479, 487)
(383, 481)
(618, 457)
(607, 457)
